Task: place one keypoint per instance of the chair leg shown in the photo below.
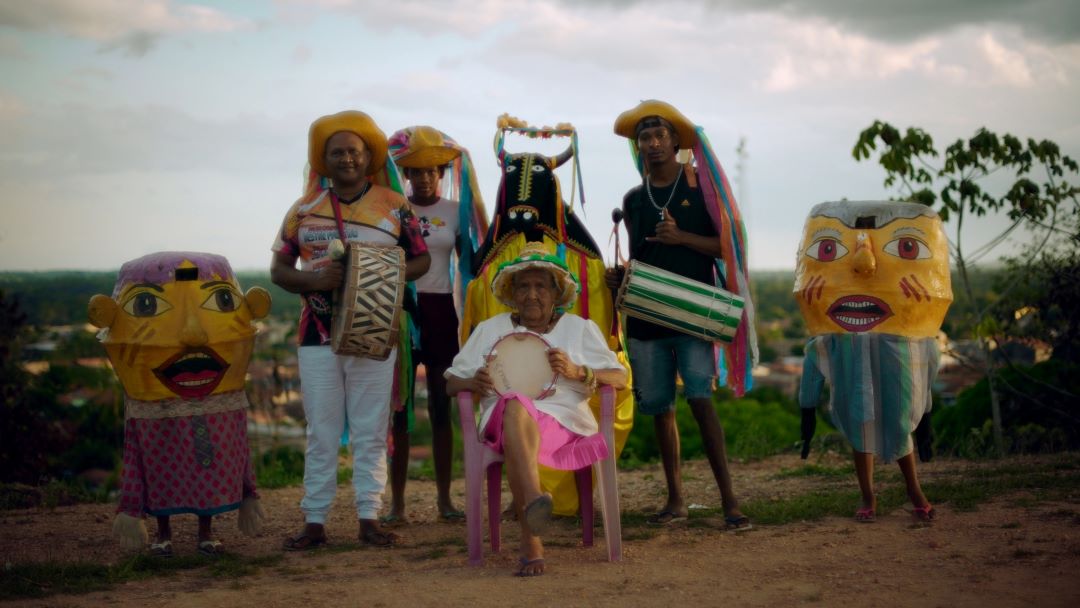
(474, 476)
(609, 502)
(584, 489)
(494, 493)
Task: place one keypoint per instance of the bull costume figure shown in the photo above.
(872, 281)
(530, 208)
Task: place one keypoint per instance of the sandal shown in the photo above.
(452, 516)
(665, 518)
(538, 514)
(378, 538)
(924, 514)
(162, 549)
(525, 567)
(392, 521)
(303, 542)
(865, 515)
(737, 523)
(211, 548)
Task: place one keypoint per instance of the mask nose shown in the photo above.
(192, 334)
(864, 262)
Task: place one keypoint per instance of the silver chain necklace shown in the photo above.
(674, 187)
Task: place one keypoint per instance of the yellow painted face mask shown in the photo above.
(873, 267)
(178, 326)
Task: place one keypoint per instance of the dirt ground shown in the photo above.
(1009, 552)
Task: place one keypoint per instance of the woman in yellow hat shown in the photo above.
(443, 195)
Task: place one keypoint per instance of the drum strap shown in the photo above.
(336, 205)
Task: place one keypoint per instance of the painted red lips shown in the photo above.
(859, 313)
(193, 373)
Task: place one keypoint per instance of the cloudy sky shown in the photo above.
(131, 126)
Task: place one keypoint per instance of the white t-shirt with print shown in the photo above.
(439, 227)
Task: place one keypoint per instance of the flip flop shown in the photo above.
(737, 523)
(392, 521)
(303, 542)
(538, 513)
(525, 563)
(924, 514)
(211, 548)
(162, 549)
(450, 517)
(664, 518)
(378, 538)
(865, 515)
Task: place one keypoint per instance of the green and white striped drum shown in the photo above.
(674, 301)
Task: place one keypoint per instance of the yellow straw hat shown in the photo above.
(627, 122)
(420, 147)
(354, 122)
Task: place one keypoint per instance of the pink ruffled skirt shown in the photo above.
(560, 448)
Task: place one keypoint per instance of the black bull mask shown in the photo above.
(528, 203)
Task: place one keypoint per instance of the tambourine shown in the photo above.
(518, 363)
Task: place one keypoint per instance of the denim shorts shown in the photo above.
(654, 363)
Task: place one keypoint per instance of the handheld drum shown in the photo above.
(518, 362)
(367, 308)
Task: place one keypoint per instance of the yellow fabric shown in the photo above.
(481, 304)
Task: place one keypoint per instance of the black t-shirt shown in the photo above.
(687, 206)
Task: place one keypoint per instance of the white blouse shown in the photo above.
(569, 403)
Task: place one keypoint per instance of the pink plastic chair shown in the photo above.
(480, 458)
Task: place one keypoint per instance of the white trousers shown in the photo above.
(335, 389)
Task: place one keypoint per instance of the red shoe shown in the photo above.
(865, 515)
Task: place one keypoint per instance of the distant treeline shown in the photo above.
(60, 297)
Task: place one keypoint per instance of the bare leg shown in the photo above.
(864, 471)
(911, 478)
(399, 471)
(521, 443)
(164, 529)
(442, 440)
(667, 438)
(205, 523)
(712, 435)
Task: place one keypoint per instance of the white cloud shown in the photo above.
(133, 26)
(1009, 65)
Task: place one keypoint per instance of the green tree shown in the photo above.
(1036, 194)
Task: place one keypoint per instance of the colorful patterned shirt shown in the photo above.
(381, 216)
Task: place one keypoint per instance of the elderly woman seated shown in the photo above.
(556, 429)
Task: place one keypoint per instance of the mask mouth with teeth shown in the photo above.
(873, 267)
(178, 327)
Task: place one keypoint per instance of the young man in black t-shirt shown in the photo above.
(669, 227)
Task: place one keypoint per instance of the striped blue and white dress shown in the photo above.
(880, 387)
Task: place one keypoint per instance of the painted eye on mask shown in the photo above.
(146, 304)
(527, 215)
(511, 168)
(221, 300)
(907, 248)
(826, 250)
(538, 168)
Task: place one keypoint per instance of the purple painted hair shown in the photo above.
(160, 268)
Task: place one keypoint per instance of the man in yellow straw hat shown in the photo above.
(346, 152)
(683, 219)
(446, 200)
